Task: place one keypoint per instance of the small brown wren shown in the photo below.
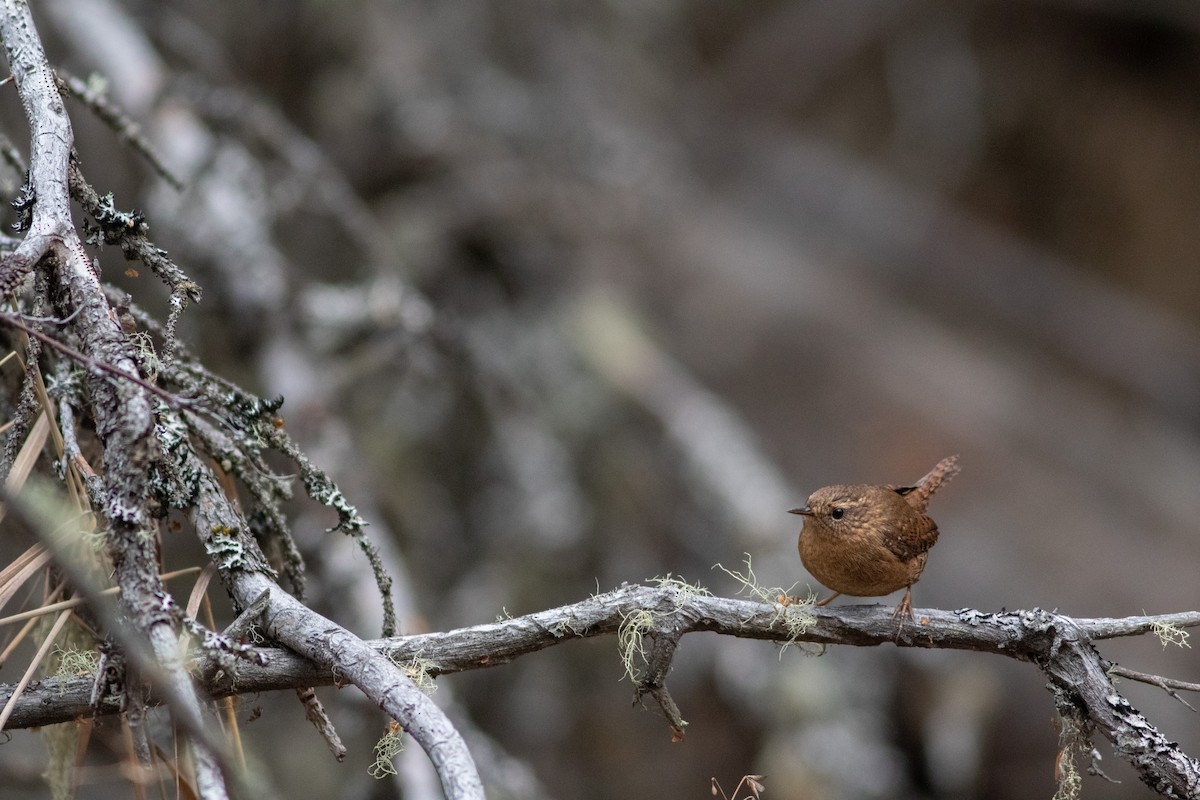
(866, 540)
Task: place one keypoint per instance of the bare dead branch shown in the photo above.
(1168, 685)
(1059, 646)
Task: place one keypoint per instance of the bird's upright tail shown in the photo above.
(918, 496)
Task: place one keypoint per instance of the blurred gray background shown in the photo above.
(579, 293)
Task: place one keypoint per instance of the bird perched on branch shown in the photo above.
(867, 540)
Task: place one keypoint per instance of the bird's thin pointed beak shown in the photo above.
(804, 511)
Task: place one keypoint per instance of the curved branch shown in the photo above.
(1058, 645)
(325, 643)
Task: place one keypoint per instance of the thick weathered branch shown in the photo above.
(121, 409)
(50, 229)
(1058, 645)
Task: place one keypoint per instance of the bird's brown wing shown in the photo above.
(915, 537)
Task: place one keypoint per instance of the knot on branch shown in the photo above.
(1045, 633)
(110, 680)
(650, 636)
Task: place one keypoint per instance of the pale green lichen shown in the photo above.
(1072, 744)
(1169, 633)
(684, 591)
(631, 640)
(391, 743)
(636, 624)
(419, 670)
(794, 613)
(73, 663)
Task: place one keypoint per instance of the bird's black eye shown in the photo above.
(838, 512)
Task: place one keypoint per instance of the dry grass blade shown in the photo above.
(33, 665)
(16, 640)
(200, 597)
(193, 603)
(43, 427)
(39, 386)
(67, 605)
(23, 567)
(23, 463)
(184, 788)
(140, 775)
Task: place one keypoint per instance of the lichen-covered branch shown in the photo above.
(1059, 646)
(123, 414)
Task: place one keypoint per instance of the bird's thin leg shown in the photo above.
(905, 609)
(831, 597)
